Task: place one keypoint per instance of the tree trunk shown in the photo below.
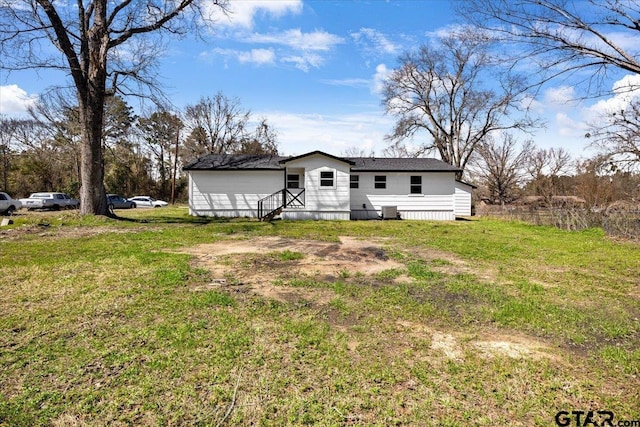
(91, 101)
(92, 194)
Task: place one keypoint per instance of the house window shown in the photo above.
(355, 181)
(416, 185)
(327, 179)
(293, 181)
(380, 181)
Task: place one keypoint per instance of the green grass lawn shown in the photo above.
(483, 322)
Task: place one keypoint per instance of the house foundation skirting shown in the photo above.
(428, 215)
(298, 214)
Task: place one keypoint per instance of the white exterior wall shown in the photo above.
(231, 193)
(435, 203)
(322, 202)
(463, 199)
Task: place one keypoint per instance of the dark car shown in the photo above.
(116, 201)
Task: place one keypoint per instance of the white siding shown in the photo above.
(322, 202)
(231, 193)
(436, 202)
(463, 199)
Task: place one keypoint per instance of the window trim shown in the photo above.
(354, 181)
(290, 181)
(322, 179)
(380, 182)
(415, 188)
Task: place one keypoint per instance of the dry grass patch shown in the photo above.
(488, 344)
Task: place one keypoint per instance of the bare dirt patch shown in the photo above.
(487, 344)
(252, 264)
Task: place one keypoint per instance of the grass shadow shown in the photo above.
(188, 219)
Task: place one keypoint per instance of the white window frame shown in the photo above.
(380, 184)
(334, 179)
(354, 183)
(289, 181)
(412, 185)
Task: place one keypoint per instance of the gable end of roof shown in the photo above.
(318, 152)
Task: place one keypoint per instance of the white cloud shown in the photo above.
(291, 46)
(14, 100)
(560, 96)
(305, 61)
(568, 127)
(625, 91)
(258, 56)
(347, 82)
(242, 14)
(301, 133)
(253, 56)
(375, 41)
(296, 39)
(379, 78)
(530, 103)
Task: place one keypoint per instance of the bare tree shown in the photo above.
(399, 148)
(544, 167)
(263, 140)
(220, 125)
(501, 165)
(563, 37)
(441, 91)
(105, 47)
(592, 182)
(42, 161)
(8, 130)
(617, 135)
(161, 131)
(355, 151)
(219, 121)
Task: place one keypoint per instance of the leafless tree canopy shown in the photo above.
(442, 95)
(221, 120)
(501, 164)
(546, 165)
(354, 151)
(564, 36)
(618, 136)
(220, 125)
(104, 46)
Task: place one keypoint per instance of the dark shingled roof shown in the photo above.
(373, 164)
(359, 164)
(236, 162)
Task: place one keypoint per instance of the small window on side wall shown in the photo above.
(327, 179)
(355, 181)
(380, 181)
(416, 185)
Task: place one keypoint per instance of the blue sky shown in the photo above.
(314, 69)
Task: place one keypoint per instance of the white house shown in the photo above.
(318, 185)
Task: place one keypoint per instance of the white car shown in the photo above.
(55, 201)
(147, 202)
(8, 205)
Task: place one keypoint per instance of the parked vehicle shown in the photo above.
(115, 201)
(148, 202)
(8, 205)
(53, 201)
